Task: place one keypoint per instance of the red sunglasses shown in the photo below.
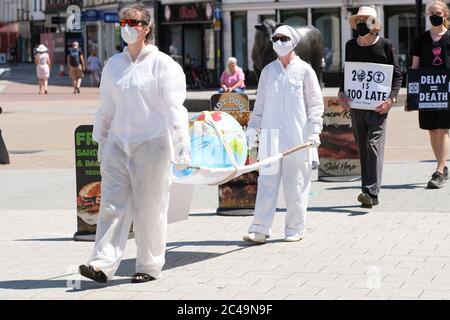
(131, 22)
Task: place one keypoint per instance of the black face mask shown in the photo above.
(436, 20)
(362, 29)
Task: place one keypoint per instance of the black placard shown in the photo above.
(428, 89)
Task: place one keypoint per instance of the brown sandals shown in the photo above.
(89, 271)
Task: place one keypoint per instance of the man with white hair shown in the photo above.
(75, 60)
(288, 112)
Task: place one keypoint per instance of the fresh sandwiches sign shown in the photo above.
(367, 84)
(428, 89)
(88, 183)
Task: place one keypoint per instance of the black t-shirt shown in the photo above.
(380, 52)
(431, 53)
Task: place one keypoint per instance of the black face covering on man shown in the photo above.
(362, 29)
(436, 20)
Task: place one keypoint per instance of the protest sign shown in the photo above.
(428, 89)
(367, 84)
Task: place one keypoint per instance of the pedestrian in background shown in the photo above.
(141, 127)
(43, 64)
(232, 78)
(94, 68)
(429, 51)
(369, 126)
(75, 61)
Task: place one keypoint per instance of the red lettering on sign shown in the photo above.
(188, 13)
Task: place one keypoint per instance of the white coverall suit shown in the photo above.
(288, 109)
(141, 105)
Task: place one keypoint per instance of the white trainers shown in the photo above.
(293, 238)
(255, 237)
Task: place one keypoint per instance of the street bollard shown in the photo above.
(4, 156)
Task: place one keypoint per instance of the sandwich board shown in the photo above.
(238, 196)
(88, 188)
(338, 151)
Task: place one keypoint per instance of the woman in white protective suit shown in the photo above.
(141, 127)
(288, 112)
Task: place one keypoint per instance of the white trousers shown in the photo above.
(295, 174)
(135, 188)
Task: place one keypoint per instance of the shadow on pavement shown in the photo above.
(339, 209)
(46, 239)
(407, 186)
(69, 283)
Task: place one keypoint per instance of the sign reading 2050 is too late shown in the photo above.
(367, 84)
(428, 89)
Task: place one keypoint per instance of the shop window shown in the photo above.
(176, 43)
(294, 18)
(328, 20)
(400, 24)
(239, 36)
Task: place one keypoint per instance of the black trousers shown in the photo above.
(369, 131)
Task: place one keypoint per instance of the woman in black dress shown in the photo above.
(429, 51)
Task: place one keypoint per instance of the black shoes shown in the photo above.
(438, 179)
(368, 200)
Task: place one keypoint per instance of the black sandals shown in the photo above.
(141, 277)
(89, 271)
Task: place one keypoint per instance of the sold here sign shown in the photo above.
(367, 84)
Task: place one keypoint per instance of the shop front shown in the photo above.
(330, 17)
(187, 34)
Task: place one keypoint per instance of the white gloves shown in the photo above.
(181, 142)
(315, 139)
(252, 138)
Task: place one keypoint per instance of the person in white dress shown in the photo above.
(43, 64)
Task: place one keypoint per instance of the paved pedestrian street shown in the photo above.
(400, 249)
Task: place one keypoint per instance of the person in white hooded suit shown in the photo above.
(141, 127)
(288, 111)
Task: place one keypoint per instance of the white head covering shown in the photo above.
(289, 32)
(41, 48)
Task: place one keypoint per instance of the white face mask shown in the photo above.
(283, 48)
(129, 34)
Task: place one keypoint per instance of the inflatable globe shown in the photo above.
(207, 149)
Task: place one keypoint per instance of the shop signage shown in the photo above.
(367, 84)
(338, 151)
(90, 15)
(195, 12)
(217, 13)
(110, 17)
(428, 89)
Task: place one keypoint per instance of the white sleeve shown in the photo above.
(105, 114)
(258, 109)
(313, 100)
(173, 93)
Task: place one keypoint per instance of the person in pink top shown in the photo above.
(232, 78)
